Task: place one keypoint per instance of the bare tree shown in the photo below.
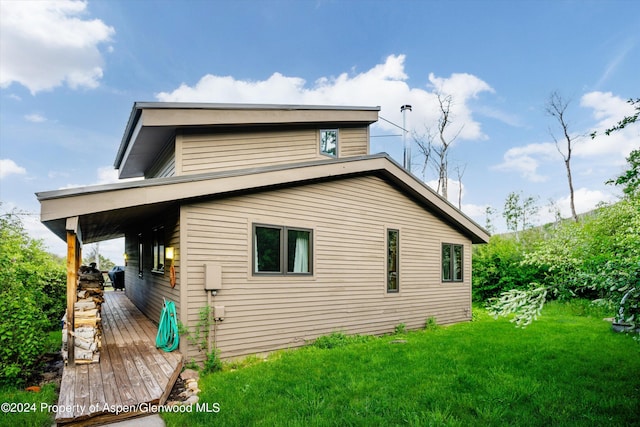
(442, 150)
(435, 144)
(556, 107)
(460, 173)
(424, 143)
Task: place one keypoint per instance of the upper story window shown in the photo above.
(329, 142)
(281, 250)
(451, 262)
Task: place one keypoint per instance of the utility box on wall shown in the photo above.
(212, 277)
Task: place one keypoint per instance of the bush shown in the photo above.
(32, 299)
(22, 340)
(597, 258)
(339, 339)
(498, 267)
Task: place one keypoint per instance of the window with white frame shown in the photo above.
(282, 250)
(329, 142)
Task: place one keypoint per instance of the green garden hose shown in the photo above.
(167, 338)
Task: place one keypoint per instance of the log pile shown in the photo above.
(87, 328)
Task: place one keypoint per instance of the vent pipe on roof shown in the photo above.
(406, 142)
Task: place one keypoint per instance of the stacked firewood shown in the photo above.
(87, 331)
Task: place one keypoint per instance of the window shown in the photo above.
(140, 255)
(451, 262)
(393, 260)
(158, 250)
(329, 142)
(281, 250)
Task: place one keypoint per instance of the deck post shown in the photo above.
(74, 258)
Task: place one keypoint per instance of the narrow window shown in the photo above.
(140, 255)
(158, 250)
(329, 142)
(452, 265)
(393, 260)
(282, 250)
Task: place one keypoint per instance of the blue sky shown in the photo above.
(70, 72)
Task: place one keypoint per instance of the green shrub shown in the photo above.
(498, 267)
(597, 258)
(431, 324)
(32, 299)
(22, 340)
(339, 339)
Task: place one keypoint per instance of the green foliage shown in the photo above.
(212, 363)
(525, 304)
(32, 299)
(518, 211)
(431, 324)
(630, 179)
(400, 329)
(199, 337)
(21, 334)
(339, 339)
(498, 267)
(597, 258)
(31, 404)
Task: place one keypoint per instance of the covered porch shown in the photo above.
(131, 377)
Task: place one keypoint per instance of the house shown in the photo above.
(280, 218)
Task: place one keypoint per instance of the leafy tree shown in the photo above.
(518, 212)
(630, 179)
(90, 256)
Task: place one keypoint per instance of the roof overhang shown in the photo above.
(152, 125)
(106, 210)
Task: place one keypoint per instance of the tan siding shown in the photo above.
(233, 151)
(348, 288)
(353, 142)
(147, 293)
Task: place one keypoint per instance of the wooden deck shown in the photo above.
(132, 374)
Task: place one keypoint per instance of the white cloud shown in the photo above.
(45, 44)
(107, 175)
(585, 201)
(527, 159)
(383, 85)
(104, 175)
(607, 110)
(9, 167)
(35, 118)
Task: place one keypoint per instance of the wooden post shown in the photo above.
(74, 259)
(72, 286)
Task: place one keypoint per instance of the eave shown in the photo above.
(152, 125)
(105, 210)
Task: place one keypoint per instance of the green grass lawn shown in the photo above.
(567, 368)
